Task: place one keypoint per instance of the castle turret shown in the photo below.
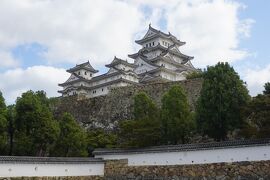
(160, 57)
(84, 70)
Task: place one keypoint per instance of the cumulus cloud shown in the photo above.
(16, 81)
(71, 30)
(256, 78)
(212, 29)
(7, 60)
(98, 30)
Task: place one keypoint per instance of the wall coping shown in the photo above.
(49, 160)
(186, 147)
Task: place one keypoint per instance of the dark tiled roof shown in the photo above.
(80, 78)
(148, 62)
(86, 66)
(117, 61)
(159, 34)
(49, 160)
(111, 82)
(187, 147)
(164, 50)
(177, 53)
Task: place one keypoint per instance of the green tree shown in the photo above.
(35, 128)
(11, 116)
(99, 138)
(144, 107)
(72, 141)
(177, 121)
(195, 74)
(257, 116)
(145, 129)
(3, 126)
(222, 96)
(266, 88)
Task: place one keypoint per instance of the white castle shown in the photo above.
(159, 59)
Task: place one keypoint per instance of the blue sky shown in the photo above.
(40, 39)
(258, 42)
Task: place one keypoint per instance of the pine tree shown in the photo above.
(72, 141)
(144, 130)
(3, 126)
(266, 88)
(177, 120)
(35, 128)
(222, 96)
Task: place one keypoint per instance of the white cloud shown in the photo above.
(71, 30)
(7, 60)
(212, 30)
(98, 30)
(16, 81)
(256, 77)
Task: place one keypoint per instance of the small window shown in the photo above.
(79, 73)
(102, 89)
(146, 45)
(90, 74)
(142, 64)
(85, 73)
(153, 43)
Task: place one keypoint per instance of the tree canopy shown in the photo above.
(144, 130)
(177, 120)
(3, 126)
(266, 88)
(223, 94)
(257, 116)
(72, 139)
(35, 128)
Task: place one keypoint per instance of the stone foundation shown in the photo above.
(56, 178)
(106, 111)
(119, 170)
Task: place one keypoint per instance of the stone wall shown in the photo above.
(106, 111)
(56, 178)
(119, 170)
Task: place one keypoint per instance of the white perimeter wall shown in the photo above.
(194, 157)
(39, 170)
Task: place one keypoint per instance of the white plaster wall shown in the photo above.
(161, 40)
(168, 76)
(194, 157)
(34, 170)
(180, 77)
(167, 65)
(87, 75)
(153, 54)
(142, 66)
(124, 67)
(155, 40)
